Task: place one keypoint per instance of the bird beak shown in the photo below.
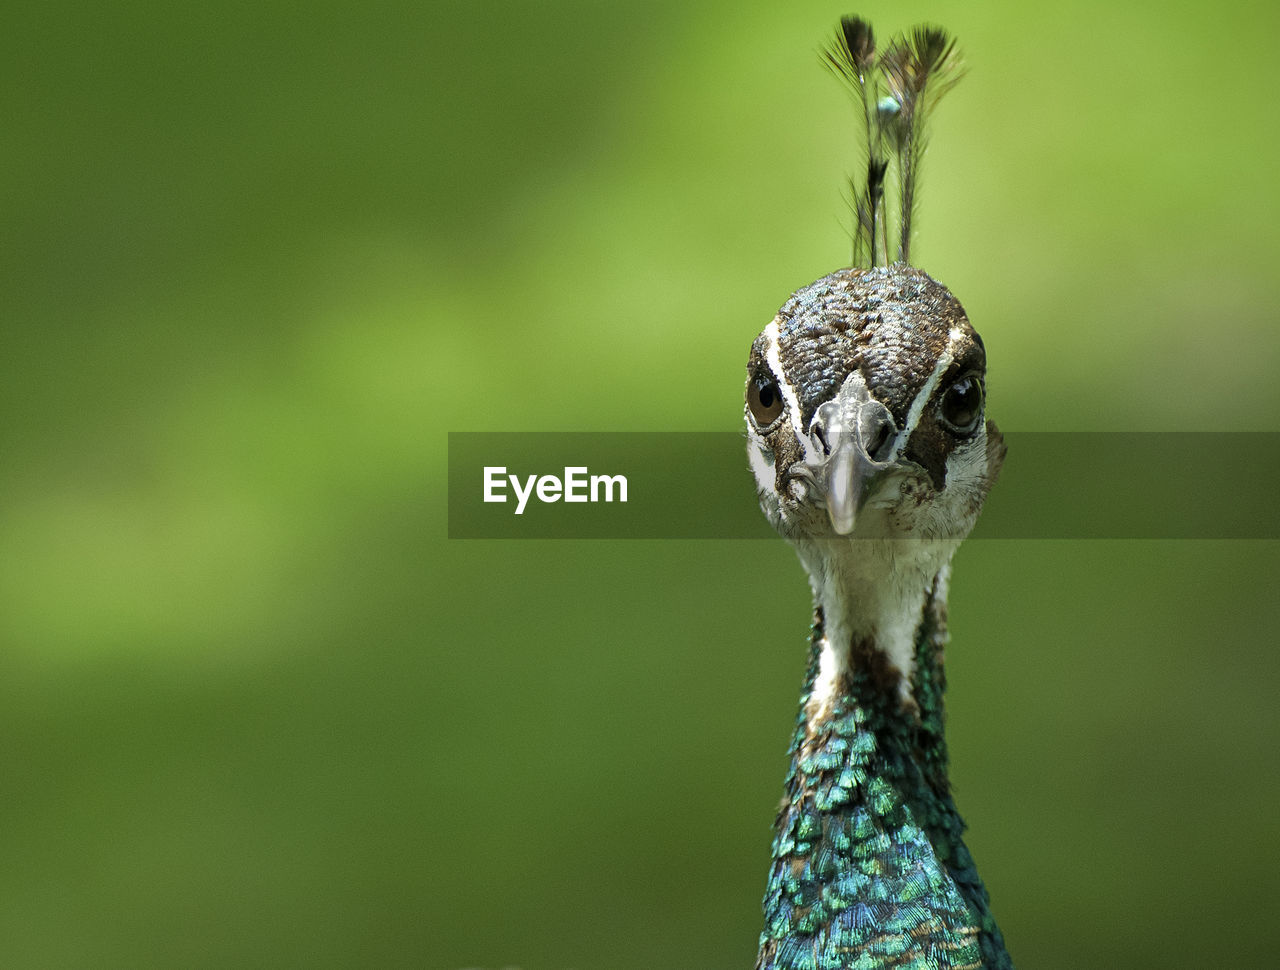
(856, 432)
(847, 472)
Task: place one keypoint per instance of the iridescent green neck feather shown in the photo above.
(869, 866)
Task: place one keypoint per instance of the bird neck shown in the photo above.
(868, 857)
(878, 664)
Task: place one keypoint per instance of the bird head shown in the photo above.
(865, 410)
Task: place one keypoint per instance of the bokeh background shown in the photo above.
(257, 259)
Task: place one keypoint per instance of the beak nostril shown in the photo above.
(878, 446)
(820, 439)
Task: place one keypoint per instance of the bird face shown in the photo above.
(865, 410)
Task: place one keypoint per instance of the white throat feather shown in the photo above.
(872, 591)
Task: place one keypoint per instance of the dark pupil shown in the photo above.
(963, 402)
(766, 396)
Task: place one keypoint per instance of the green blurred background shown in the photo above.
(257, 260)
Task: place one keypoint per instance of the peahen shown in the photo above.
(872, 455)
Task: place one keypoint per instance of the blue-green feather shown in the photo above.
(869, 866)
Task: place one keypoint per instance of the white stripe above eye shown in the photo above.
(926, 392)
(773, 358)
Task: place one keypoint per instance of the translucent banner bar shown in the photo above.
(697, 485)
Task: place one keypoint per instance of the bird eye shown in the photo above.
(962, 405)
(764, 400)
